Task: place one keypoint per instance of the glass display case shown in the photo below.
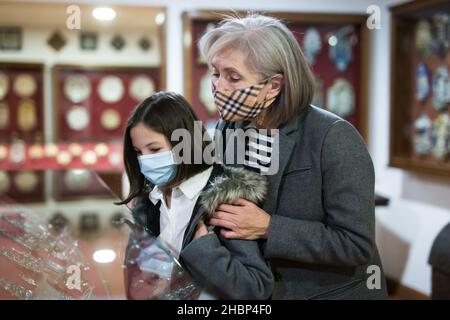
(64, 250)
(420, 87)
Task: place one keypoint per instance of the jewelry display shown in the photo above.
(141, 87)
(5, 183)
(24, 85)
(26, 181)
(423, 38)
(89, 157)
(78, 118)
(442, 41)
(4, 85)
(28, 280)
(15, 289)
(420, 99)
(77, 88)
(340, 47)
(422, 138)
(422, 82)
(441, 137)
(312, 44)
(64, 158)
(78, 179)
(3, 152)
(111, 89)
(101, 149)
(75, 149)
(4, 116)
(26, 115)
(51, 150)
(36, 152)
(27, 262)
(17, 151)
(441, 86)
(110, 119)
(341, 98)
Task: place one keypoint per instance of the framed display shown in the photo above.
(25, 186)
(21, 102)
(92, 104)
(88, 40)
(10, 38)
(336, 47)
(420, 87)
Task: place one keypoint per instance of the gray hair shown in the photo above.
(271, 49)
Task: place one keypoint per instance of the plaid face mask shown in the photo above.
(242, 103)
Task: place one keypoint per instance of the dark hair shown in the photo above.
(162, 112)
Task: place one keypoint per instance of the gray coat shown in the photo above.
(322, 233)
(228, 269)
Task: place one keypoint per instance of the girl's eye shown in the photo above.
(155, 150)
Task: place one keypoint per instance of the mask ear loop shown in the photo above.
(260, 118)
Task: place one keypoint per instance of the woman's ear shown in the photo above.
(276, 86)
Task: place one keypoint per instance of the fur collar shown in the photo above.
(232, 184)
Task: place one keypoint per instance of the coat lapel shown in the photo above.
(285, 147)
(288, 137)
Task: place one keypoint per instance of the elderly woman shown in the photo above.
(317, 224)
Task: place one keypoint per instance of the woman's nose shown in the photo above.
(220, 85)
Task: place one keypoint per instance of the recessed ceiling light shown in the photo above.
(104, 13)
(104, 256)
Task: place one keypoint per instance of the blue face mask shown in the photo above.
(158, 168)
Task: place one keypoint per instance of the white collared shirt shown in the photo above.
(173, 221)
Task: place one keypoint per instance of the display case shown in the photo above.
(25, 185)
(335, 45)
(96, 251)
(92, 104)
(21, 102)
(49, 258)
(76, 184)
(420, 87)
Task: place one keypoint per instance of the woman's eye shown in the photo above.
(155, 150)
(234, 78)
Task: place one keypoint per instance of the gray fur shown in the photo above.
(233, 184)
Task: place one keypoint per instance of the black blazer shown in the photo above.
(321, 242)
(230, 269)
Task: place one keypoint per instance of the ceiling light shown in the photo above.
(104, 256)
(104, 13)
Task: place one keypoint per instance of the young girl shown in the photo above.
(171, 200)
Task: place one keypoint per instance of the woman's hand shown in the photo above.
(202, 230)
(244, 219)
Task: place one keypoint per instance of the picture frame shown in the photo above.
(419, 113)
(10, 38)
